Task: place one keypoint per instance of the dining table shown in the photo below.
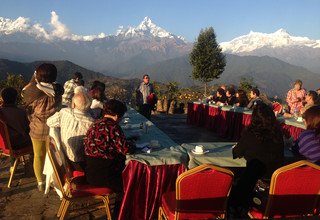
(229, 121)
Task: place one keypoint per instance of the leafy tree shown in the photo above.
(16, 81)
(246, 84)
(206, 58)
(173, 90)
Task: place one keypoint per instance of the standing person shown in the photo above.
(74, 123)
(254, 98)
(69, 87)
(43, 98)
(261, 144)
(145, 96)
(295, 97)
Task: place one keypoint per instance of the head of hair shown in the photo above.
(255, 91)
(46, 73)
(77, 76)
(312, 118)
(96, 84)
(81, 101)
(221, 91)
(231, 90)
(145, 75)
(313, 95)
(9, 95)
(264, 124)
(298, 81)
(115, 107)
(97, 93)
(80, 82)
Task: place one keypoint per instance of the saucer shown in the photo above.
(199, 153)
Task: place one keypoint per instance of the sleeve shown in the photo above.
(151, 88)
(120, 141)
(54, 120)
(250, 104)
(239, 150)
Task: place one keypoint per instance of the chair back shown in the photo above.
(277, 107)
(294, 190)
(5, 145)
(61, 169)
(204, 189)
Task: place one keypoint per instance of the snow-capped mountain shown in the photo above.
(300, 51)
(257, 40)
(146, 29)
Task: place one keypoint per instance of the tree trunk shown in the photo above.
(205, 89)
(165, 105)
(160, 105)
(172, 107)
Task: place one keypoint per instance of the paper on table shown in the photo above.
(142, 145)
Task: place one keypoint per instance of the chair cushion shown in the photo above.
(81, 190)
(77, 173)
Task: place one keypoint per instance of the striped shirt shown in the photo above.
(73, 125)
(69, 87)
(309, 145)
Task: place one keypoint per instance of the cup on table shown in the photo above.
(221, 104)
(299, 119)
(199, 149)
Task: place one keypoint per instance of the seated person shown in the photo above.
(309, 140)
(74, 123)
(98, 100)
(220, 96)
(241, 98)
(105, 148)
(261, 144)
(254, 98)
(15, 118)
(311, 99)
(231, 98)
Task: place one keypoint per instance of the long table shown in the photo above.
(229, 122)
(148, 175)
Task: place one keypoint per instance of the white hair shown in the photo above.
(81, 101)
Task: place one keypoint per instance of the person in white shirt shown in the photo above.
(73, 123)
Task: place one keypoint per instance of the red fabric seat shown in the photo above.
(201, 193)
(277, 107)
(7, 150)
(289, 196)
(75, 190)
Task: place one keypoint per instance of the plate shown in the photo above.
(199, 153)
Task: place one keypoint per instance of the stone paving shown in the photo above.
(24, 201)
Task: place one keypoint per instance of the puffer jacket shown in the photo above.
(41, 104)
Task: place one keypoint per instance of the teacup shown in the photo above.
(299, 119)
(221, 104)
(199, 149)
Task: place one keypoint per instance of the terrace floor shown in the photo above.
(24, 201)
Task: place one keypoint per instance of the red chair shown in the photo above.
(277, 107)
(201, 193)
(73, 189)
(294, 192)
(7, 150)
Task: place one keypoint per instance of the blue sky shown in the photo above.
(229, 18)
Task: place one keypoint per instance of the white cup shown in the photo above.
(199, 149)
(221, 104)
(299, 119)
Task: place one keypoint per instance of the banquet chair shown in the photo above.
(277, 107)
(6, 149)
(72, 189)
(294, 192)
(201, 193)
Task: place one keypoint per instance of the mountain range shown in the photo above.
(272, 60)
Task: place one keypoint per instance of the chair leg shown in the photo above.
(61, 207)
(65, 209)
(12, 171)
(106, 204)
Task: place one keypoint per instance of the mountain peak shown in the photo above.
(281, 31)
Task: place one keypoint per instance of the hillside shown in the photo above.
(272, 75)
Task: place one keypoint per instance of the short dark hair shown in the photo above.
(255, 91)
(313, 94)
(221, 91)
(98, 83)
(9, 95)
(77, 75)
(144, 75)
(46, 72)
(115, 107)
(231, 90)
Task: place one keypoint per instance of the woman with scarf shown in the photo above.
(42, 97)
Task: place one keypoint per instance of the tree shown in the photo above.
(16, 81)
(206, 58)
(246, 84)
